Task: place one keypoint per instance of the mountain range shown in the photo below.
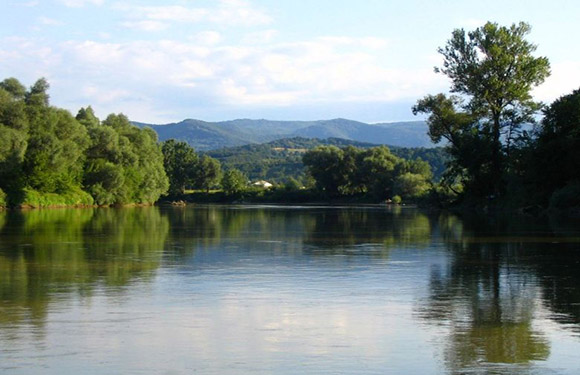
(204, 135)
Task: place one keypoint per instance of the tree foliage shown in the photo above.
(208, 173)
(374, 171)
(554, 164)
(47, 156)
(493, 70)
(180, 162)
(234, 182)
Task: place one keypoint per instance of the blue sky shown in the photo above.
(163, 61)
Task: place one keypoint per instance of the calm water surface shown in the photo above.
(287, 290)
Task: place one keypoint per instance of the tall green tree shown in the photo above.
(14, 126)
(493, 70)
(378, 169)
(208, 174)
(180, 162)
(326, 165)
(124, 163)
(234, 182)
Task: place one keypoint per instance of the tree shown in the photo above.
(557, 144)
(410, 185)
(208, 173)
(493, 70)
(124, 164)
(377, 170)
(325, 164)
(87, 117)
(234, 182)
(180, 162)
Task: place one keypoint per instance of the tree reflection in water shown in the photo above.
(501, 273)
(493, 280)
(48, 255)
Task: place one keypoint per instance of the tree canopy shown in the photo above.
(49, 157)
(374, 171)
(493, 70)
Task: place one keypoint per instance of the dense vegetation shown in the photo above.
(281, 160)
(493, 161)
(50, 158)
(374, 171)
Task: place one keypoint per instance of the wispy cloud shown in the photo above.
(145, 25)
(209, 38)
(227, 12)
(49, 21)
(321, 70)
(80, 3)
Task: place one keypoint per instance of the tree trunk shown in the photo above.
(496, 157)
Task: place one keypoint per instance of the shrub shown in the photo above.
(75, 197)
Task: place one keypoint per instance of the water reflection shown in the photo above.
(500, 275)
(50, 255)
(293, 286)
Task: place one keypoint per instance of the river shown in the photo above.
(287, 290)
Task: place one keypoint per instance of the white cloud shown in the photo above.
(173, 13)
(49, 21)
(471, 23)
(100, 95)
(145, 25)
(260, 37)
(80, 3)
(564, 79)
(228, 12)
(165, 75)
(209, 38)
(239, 12)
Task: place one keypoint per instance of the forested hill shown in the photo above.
(203, 135)
(278, 160)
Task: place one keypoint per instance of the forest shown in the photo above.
(500, 148)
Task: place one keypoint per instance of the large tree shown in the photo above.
(180, 162)
(208, 174)
(493, 70)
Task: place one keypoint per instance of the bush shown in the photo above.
(75, 197)
(410, 185)
(566, 197)
(397, 199)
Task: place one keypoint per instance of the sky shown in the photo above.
(165, 61)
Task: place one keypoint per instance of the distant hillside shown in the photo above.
(278, 160)
(205, 136)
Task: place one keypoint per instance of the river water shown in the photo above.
(287, 290)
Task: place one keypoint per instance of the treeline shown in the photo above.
(50, 158)
(279, 161)
(374, 172)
